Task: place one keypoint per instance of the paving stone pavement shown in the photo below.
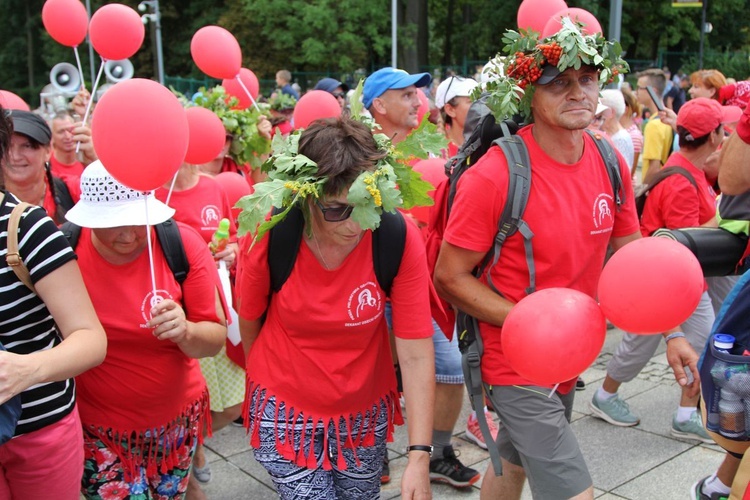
(635, 463)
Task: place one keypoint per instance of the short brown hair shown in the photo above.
(656, 78)
(343, 148)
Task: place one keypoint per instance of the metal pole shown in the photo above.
(394, 35)
(159, 54)
(615, 19)
(92, 64)
(703, 34)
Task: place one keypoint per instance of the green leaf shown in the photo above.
(366, 217)
(355, 102)
(422, 141)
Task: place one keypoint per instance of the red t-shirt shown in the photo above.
(324, 348)
(674, 203)
(201, 207)
(63, 170)
(143, 383)
(573, 216)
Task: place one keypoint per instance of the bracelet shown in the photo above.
(674, 335)
(419, 447)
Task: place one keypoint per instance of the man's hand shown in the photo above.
(82, 134)
(264, 127)
(680, 355)
(80, 101)
(415, 483)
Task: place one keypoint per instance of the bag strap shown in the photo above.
(170, 239)
(13, 258)
(388, 243)
(284, 241)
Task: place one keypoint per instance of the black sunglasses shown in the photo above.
(335, 214)
(340, 95)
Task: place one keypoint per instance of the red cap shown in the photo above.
(701, 116)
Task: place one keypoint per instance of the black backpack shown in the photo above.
(388, 242)
(642, 195)
(168, 234)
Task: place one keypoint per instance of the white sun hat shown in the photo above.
(106, 203)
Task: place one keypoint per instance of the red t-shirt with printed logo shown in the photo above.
(675, 203)
(201, 207)
(571, 212)
(324, 348)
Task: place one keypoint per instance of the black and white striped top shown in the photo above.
(26, 325)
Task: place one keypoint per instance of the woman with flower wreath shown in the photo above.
(322, 397)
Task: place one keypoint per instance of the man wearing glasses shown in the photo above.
(657, 136)
(335, 88)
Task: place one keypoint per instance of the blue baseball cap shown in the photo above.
(330, 85)
(391, 78)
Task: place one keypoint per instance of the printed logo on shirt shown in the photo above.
(210, 216)
(602, 215)
(365, 304)
(149, 301)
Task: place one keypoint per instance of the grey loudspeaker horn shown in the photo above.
(118, 71)
(64, 77)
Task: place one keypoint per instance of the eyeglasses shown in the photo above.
(335, 214)
(339, 95)
(642, 88)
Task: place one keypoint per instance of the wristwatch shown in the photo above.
(419, 447)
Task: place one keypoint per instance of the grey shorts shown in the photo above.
(535, 434)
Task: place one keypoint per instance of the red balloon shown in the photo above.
(433, 171)
(233, 87)
(207, 135)
(9, 100)
(216, 52)
(591, 24)
(235, 186)
(116, 32)
(534, 14)
(553, 335)
(424, 105)
(66, 21)
(141, 133)
(315, 105)
(650, 285)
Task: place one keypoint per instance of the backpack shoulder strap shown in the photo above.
(388, 243)
(170, 239)
(13, 258)
(284, 240)
(72, 232)
(63, 199)
(609, 156)
(668, 171)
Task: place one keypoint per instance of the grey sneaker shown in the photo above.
(690, 429)
(613, 410)
(696, 492)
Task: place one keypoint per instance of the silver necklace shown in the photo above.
(317, 246)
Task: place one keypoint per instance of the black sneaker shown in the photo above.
(449, 469)
(385, 475)
(238, 422)
(580, 384)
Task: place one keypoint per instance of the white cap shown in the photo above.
(494, 69)
(453, 86)
(600, 108)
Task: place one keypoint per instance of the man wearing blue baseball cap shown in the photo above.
(390, 95)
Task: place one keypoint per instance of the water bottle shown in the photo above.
(732, 415)
(220, 239)
(723, 342)
(721, 373)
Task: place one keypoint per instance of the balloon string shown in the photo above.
(80, 68)
(171, 188)
(552, 392)
(91, 100)
(150, 251)
(242, 84)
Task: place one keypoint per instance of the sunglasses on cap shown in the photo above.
(335, 214)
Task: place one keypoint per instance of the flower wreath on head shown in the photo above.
(511, 87)
(292, 178)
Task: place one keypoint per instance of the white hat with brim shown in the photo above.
(106, 203)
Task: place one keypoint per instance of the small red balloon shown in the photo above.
(9, 100)
(591, 24)
(315, 105)
(216, 52)
(207, 135)
(116, 32)
(233, 87)
(534, 14)
(553, 335)
(235, 186)
(650, 286)
(433, 171)
(424, 105)
(141, 133)
(66, 21)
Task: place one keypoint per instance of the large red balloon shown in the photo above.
(141, 133)
(207, 135)
(216, 52)
(534, 14)
(66, 21)
(235, 186)
(9, 100)
(433, 171)
(116, 32)
(591, 24)
(315, 105)
(553, 335)
(650, 285)
(233, 87)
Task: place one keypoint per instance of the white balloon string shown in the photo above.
(171, 188)
(242, 84)
(80, 68)
(150, 251)
(91, 100)
(552, 392)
